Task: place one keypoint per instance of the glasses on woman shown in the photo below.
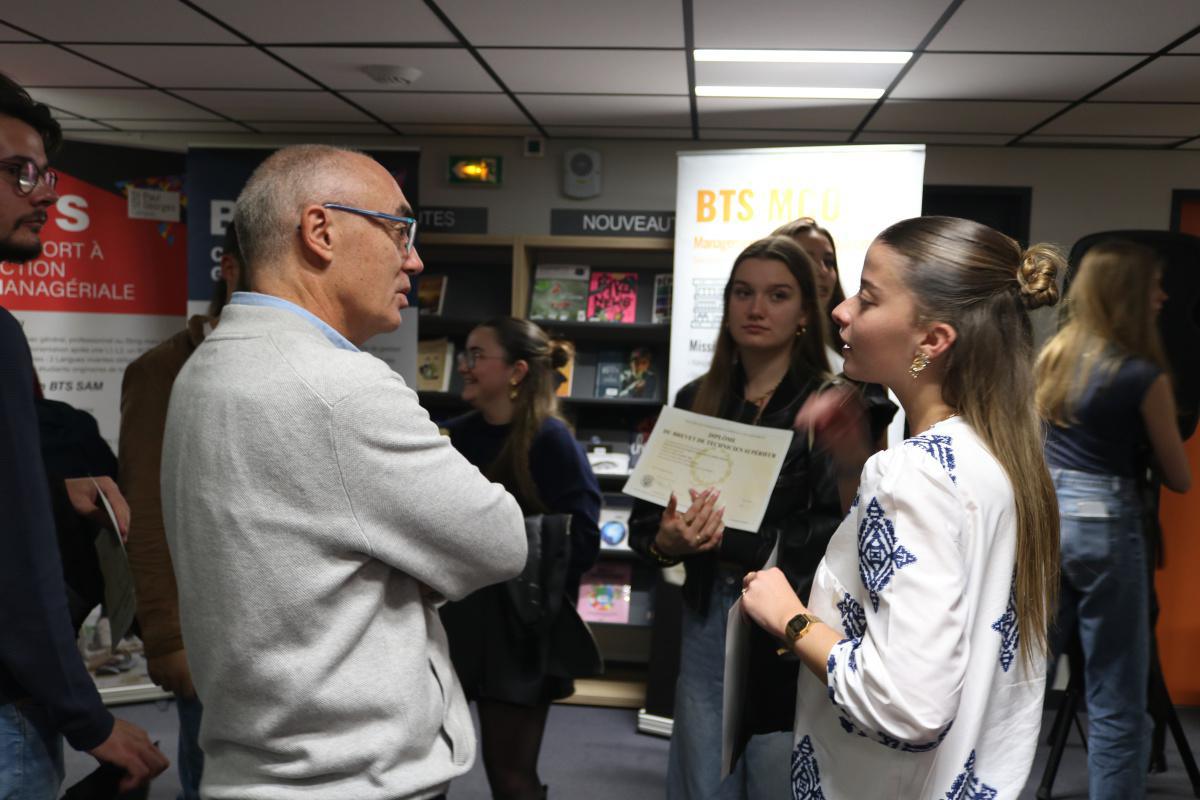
(467, 358)
(28, 175)
(403, 229)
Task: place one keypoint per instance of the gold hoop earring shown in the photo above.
(919, 363)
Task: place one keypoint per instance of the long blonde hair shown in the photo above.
(982, 283)
(1108, 319)
(808, 349)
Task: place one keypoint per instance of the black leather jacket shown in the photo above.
(803, 512)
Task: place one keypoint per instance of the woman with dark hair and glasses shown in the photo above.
(517, 438)
(769, 358)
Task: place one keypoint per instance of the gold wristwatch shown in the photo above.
(797, 628)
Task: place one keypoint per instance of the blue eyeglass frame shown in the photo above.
(411, 239)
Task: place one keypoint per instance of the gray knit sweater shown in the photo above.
(314, 514)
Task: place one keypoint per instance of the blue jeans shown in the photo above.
(1105, 599)
(190, 761)
(694, 761)
(31, 753)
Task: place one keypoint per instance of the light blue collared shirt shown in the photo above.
(271, 301)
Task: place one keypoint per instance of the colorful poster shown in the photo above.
(105, 289)
(727, 199)
(605, 591)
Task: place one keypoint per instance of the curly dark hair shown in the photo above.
(15, 102)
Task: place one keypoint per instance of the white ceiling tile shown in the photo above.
(82, 125)
(588, 71)
(525, 23)
(323, 127)
(404, 108)
(608, 110)
(749, 134)
(1128, 119)
(227, 67)
(119, 103)
(754, 112)
(787, 24)
(1167, 79)
(127, 21)
(250, 106)
(382, 21)
(1009, 77)
(469, 130)
(722, 73)
(1192, 45)
(1142, 141)
(960, 116)
(8, 34)
(184, 126)
(593, 132)
(47, 65)
(443, 69)
(1067, 25)
(982, 139)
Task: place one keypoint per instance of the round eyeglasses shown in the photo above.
(28, 175)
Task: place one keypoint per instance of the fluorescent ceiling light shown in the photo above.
(791, 92)
(806, 56)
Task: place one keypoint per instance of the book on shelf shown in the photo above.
(639, 378)
(431, 294)
(560, 293)
(609, 366)
(612, 297)
(605, 592)
(567, 371)
(663, 285)
(435, 361)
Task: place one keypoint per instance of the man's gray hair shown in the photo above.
(268, 209)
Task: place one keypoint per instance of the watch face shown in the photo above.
(797, 625)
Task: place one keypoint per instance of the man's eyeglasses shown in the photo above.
(467, 358)
(28, 174)
(403, 229)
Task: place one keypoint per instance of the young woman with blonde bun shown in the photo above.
(925, 633)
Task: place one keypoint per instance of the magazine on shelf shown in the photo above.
(560, 292)
(639, 376)
(610, 365)
(605, 592)
(431, 294)
(435, 361)
(663, 284)
(612, 297)
(567, 371)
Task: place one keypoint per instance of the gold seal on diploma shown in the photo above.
(711, 466)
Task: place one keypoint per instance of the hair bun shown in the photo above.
(560, 353)
(1038, 275)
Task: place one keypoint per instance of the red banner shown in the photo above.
(95, 259)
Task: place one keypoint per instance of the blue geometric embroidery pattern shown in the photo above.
(968, 787)
(806, 777)
(879, 556)
(854, 617)
(938, 446)
(857, 499)
(1006, 626)
(891, 741)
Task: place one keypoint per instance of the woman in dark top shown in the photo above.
(769, 357)
(516, 437)
(1104, 391)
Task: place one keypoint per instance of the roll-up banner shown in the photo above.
(106, 288)
(729, 198)
(215, 177)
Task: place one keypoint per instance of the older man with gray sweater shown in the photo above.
(314, 514)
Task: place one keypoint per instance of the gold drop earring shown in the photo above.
(919, 363)
(512, 391)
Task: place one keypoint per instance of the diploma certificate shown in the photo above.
(691, 451)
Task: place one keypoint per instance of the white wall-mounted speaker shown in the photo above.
(581, 173)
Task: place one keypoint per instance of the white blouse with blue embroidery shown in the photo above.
(928, 695)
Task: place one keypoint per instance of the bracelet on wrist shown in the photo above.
(662, 559)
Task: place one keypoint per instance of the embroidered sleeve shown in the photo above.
(897, 676)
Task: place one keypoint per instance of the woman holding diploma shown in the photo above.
(768, 359)
(516, 437)
(925, 633)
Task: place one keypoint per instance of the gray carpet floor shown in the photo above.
(597, 754)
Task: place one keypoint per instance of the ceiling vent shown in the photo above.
(392, 76)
